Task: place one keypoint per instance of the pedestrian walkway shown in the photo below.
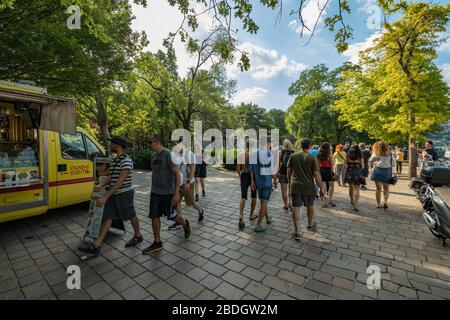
(221, 262)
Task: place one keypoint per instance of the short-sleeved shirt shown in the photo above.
(339, 157)
(303, 166)
(184, 161)
(163, 181)
(263, 170)
(119, 164)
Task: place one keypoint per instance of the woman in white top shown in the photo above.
(382, 160)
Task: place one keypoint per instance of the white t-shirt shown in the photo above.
(184, 161)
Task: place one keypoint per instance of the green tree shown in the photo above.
(311, 114)
(400, 93)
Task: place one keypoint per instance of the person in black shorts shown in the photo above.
(243, 170)
(118, 200)
(200, 171)
(166, 181)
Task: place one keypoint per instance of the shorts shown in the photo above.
(283, 179)
(302, 200)
(326, 174)
(264, 193)
(200, 170)
(120, 206)
(246, 181)
(160, 205)
(188, 195)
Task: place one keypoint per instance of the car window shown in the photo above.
(72, 146)
(92, 149)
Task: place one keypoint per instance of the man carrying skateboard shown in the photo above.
(119, 198)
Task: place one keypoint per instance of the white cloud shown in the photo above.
(354, 49)
(247, 95)
(446, 72)
(158, 19)
(266, 63)
(310, 13)
(445, 47)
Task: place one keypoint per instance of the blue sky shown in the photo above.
(277, 52)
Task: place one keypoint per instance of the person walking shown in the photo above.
(383, 161)
(200, 171)
(285, 154)
(366, 156)
(303, 174)
(354, 165)
(119, 198)
(399, 157)
(186, 162)
(243, 171)
(166, 181)
(326, 172)
(262, 174)
(339, 160)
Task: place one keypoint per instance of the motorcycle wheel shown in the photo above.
(436, 234)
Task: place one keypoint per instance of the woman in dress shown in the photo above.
(382, 161)
(354, 165)
(326, 164)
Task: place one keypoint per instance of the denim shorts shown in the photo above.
(264, 193)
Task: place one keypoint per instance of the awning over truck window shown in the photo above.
(57, 114)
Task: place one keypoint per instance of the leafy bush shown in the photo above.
(141, 158)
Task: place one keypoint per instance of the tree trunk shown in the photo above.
(103, 122)
(412, 172)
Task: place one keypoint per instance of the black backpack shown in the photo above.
(285, 155)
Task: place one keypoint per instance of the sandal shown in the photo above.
(241, 225)
(297, 236)
(253, 218)
(385, 207)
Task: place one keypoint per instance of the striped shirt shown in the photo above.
(118, 164)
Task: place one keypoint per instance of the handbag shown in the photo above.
(393, 179)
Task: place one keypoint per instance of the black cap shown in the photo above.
(121, 141)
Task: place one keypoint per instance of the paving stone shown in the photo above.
(36, 290)
(319, 287)
(161, 290)
(185, 285)
(211, 282)
(206, 295)
(229, 292)
(99, 290)
(135, 292)
(214, 268)
(236, 279)
(258, 290)
(292, 277)
(276, 284)
(197, 274)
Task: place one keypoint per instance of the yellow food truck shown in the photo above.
(46, 162)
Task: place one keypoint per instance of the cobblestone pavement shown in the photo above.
(220, 262)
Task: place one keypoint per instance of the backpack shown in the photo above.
(284, 161)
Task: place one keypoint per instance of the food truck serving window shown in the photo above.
(19, 149)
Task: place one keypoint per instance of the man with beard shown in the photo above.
(119, 198)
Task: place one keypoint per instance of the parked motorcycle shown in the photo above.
(433, 191)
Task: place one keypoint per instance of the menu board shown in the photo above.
(18, 176)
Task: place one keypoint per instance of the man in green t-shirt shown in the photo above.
(303, 172)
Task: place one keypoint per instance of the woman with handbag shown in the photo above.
(354, 165)
(326, 171)
(382, 161)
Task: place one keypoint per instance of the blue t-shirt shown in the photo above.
(314, 152)
(263, 169)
